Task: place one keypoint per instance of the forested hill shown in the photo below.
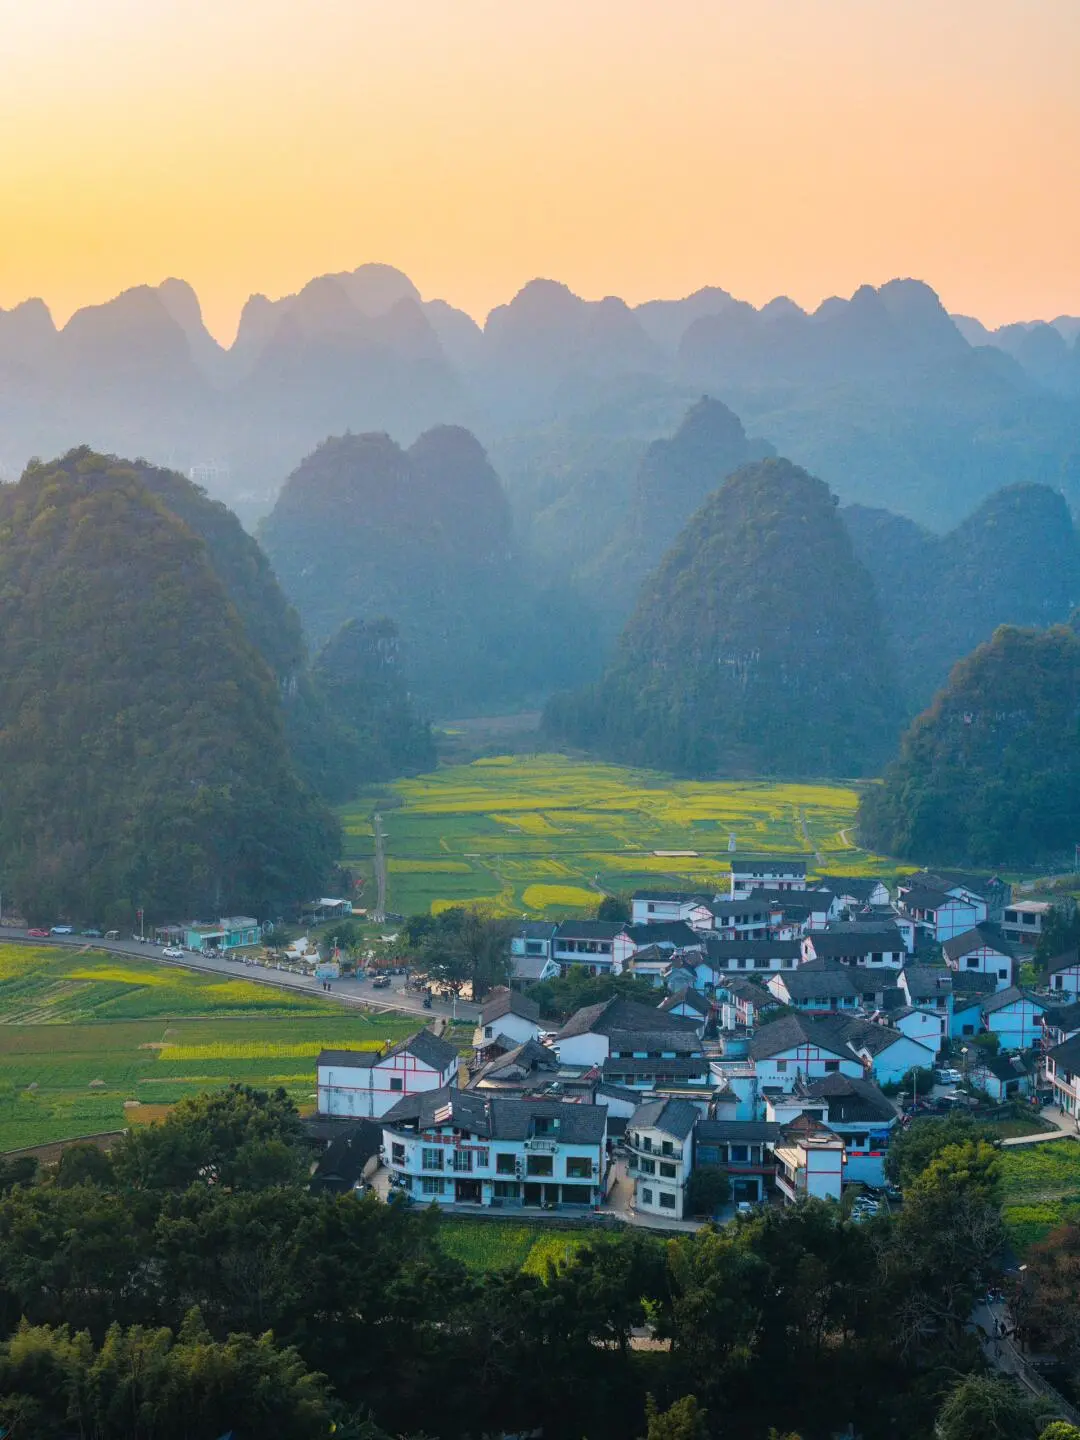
(672, 481)
(990, 773)
(364, 529)
(755, 648)
(143, 760)
(1015, 561)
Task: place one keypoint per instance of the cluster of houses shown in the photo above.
(784, 1011)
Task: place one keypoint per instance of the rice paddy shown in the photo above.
(91, 1042)
(546, 835)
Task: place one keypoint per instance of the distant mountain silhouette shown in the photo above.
(1015, 560)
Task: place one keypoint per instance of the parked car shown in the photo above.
(381, 982)
(62, 930)
(91, 934)
(948, 1077)
(174, 952)
(36, 933)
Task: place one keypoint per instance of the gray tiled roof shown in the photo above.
(622, 1015)
(1010, 996)
(680, 1068)
(811, 982)
(790, 1031)
(693, 998)
(509, 1002)
(736, 1132)
(428, 1048)
(1065, 961)
(673, 1117)
(980, 935)
(500, 1117)
(348, 1059)
(850, 1099)
(721, 951)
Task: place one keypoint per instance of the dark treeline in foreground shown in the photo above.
(991, 772)
(189, 1284)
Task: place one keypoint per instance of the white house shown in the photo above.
(855, 892)
(983, 950)
(809, 1162)
(766, 872)
(806, 910)
(855, 1110)
(619, 1027)
(745, 1003)
(924, 1025)
(1063, 1071)
(887, 1053)
(659, 1141)
(966, 1017)
(855, 944)
(1064, 972)
(507, 1014)
(1015, 1017)
(363, 1083)
(1002, 1077)
(591, 944)
(650, 907)
(460, 1147)
(743, 956)
(687, 1004)
(746, 917)
(940, 913)
(533, 940)
(1060, 1023)
(796, 1048)
(930, 987)
(816, 988)
(1022, 921)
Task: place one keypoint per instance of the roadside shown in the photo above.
(350, 993)
(1064, 1128)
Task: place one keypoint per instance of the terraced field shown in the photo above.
(92, 1042)
(1042, 1188)
(545, 835)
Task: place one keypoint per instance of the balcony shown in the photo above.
(543, 1143)
(792, 1189)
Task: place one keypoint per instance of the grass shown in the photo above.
(1042, 1188)
(545, 835)
(503, 1245)
(92, 1042)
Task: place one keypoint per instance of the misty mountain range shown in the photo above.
(887, 397)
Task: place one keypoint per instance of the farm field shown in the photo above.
(545, 835)
(504, 1245)
(92, 1042)
(1042, 1188)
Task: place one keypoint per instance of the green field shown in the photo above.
(92, 1042)
(508, 1245)
(544, 835)
(1042, 1188)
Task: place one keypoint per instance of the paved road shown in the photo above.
(348, 993)
(1065, 1128)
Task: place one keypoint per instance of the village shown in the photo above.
(797, 1026)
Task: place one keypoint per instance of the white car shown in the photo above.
(62, 930)
(173, 952)
(948, 1077)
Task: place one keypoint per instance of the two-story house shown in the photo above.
(531, 950)
(659, 1144)
(232, 932)
(929, 987)
(590, 944)
(984, 950)
(855, 1110)
(807, 910)
(939, 911)
(887, 1054)
(366, 1083)
(650, 907)
(766, 872)
(745, 956)
(1064, 974)
(745, 1004)
(1015, 1017)
(850, 943)
(461, 1147)
(796, 1048)
(745, 917)
(817, 988)
(1003, 1077)
(855, 892)
(687, 1004)
(1060, 1023)
(1023, 920)
(675, 937)
(596, 1032)
(1062, 1067)
(509, 1016)
(741, 1148)
(809, 1161)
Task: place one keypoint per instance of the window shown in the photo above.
(708, 1154)
(972, 962)
(667, 1171)
(1010, 916)
(876, 957)
(432, 1184)
(397, 1153)
(646, 1197)
(483, 1159)
(462, 1159)
(540, 1165)
(667, 1148)
(487, 1032)
(431, 1159)
(650, 907)
(646, 1142)
(831, 1067)
(578, 1167)
(739, 1155)
(760, 964)
(667, 1201)
(781, 1067)
(507, 1190)
(857, 1142)
(647, 1167)
(396, 1082)
(505, 1164)
(1003, 974)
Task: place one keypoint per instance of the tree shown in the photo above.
(614, 907)
(83, 1164)
(240, 1138)
(986, 1408)
(682, 1420)
(1060, 932)
(708, 1190)
(1046, 1302)
(467, 946)
(1060, 1430)
(914, 1148)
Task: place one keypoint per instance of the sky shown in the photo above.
(642, 148)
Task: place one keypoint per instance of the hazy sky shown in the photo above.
(634, 147)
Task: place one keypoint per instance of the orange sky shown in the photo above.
(642, 148)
